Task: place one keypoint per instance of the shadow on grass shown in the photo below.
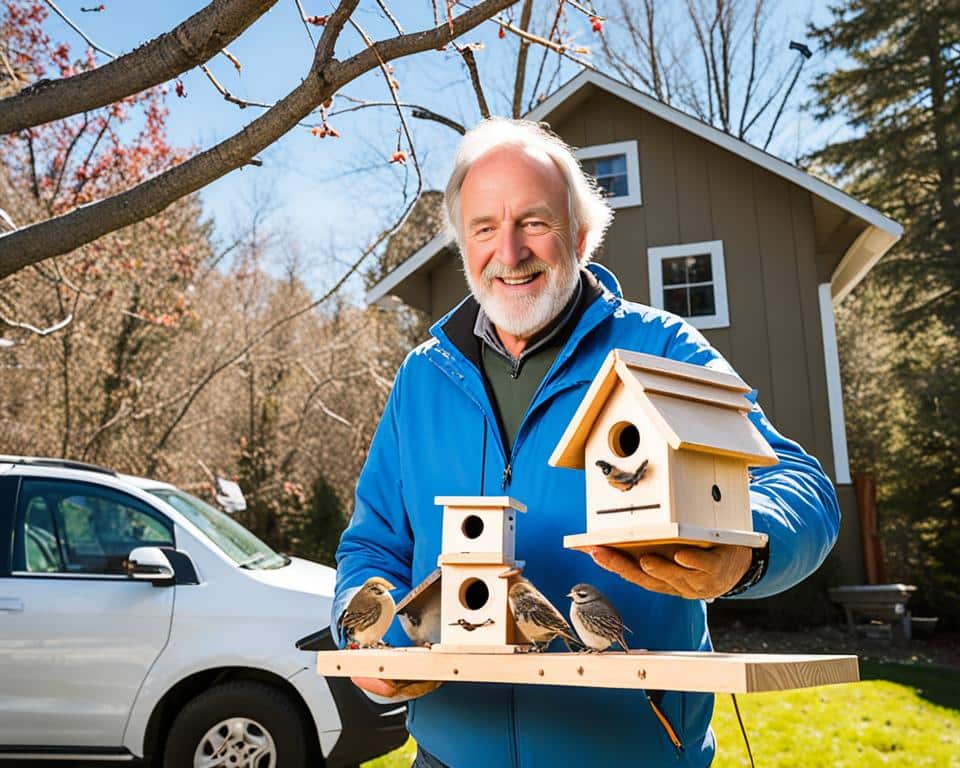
(938, 685)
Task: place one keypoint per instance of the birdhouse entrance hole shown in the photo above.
(472, 526)
(715, 492)
(624, 439)
(474, 594)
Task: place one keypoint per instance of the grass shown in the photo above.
(899, 715)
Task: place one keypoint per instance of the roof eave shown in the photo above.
(860, 257)
(381, 290)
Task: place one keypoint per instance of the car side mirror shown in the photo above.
(150, 564)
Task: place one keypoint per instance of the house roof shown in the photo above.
(876, 239)
(692, 407)
(503, 502)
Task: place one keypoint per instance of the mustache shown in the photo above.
(526, 268)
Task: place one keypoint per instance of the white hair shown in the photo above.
(589, 210)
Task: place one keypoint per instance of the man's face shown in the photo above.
(519, 259)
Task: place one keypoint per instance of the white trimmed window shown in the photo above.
(690, 280)
(616, 167)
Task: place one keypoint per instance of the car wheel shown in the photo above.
(242, 724)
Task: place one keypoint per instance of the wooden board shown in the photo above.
(675, 671)
(663, 539)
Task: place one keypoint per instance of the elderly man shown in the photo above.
(479, 408)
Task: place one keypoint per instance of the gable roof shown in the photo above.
(875, 240)
(691, 406)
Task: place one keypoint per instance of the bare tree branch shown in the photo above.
(62, 234)
(471, 61)
(196, 40)
(525, 15)
(77, 29)
(34, 329)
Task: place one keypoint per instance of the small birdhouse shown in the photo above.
(665, 447)
(477, 549)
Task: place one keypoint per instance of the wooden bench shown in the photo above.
(879, 602)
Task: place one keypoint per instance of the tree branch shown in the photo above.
(196, 40)
(82, 225)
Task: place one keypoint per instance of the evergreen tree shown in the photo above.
(898, 91)
(899, 332)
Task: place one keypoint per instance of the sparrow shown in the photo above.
(619, 478)
(595, 619)
(368, 614)
(537, 619)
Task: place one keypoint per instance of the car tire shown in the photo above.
(251, 724)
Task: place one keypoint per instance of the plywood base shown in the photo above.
(675, 671)
(662, 538)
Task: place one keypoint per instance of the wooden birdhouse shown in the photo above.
(477, 549)
(665, 447)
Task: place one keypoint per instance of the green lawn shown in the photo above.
(900, 715)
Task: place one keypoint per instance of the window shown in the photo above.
(80, 528)
(616, 168)
(689, 280)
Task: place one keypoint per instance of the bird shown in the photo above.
(537, 618)
(595, 619)
(620, 478)
(368, 614)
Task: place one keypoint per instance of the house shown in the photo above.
(749, 248)
(665, 448)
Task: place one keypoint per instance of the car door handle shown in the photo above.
(11, 605)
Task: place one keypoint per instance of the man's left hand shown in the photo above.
(694, 573)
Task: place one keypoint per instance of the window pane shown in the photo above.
(71, 527)
(610, 173)
(40, 540)
(699, 269)
(674, 271)
(701, 301)
(675, 300)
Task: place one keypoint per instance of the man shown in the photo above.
(479, 408)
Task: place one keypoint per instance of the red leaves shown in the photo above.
(318, 21)
(502, 33)
(399, 157)
(181, 91)
(596, 24)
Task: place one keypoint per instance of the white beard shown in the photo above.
(524, 316)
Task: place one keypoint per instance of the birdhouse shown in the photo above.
(665, 448)
(477, 549)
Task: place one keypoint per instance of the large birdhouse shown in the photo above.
(477, 549)
(665, 448)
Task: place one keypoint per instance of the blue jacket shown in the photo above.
(439, 436)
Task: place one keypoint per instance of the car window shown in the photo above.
(82, 528)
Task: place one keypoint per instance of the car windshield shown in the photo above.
(239, 544)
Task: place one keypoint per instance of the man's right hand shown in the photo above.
(403, 690)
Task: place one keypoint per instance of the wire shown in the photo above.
(743, 730)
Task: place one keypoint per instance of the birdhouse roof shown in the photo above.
(414, 595)
(692, 407)
(502, 502)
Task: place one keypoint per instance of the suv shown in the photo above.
(137, 621)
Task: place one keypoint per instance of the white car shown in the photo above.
(138, 622)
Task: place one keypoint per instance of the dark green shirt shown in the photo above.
(514, 381)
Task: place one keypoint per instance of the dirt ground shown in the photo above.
(941, 648)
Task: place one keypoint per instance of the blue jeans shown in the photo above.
(425, 760)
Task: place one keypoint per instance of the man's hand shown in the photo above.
(694, 573)
(407, 689)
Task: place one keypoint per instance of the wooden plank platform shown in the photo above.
(674, 671)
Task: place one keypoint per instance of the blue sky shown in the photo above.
(333, 195)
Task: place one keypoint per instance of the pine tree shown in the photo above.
(899, 91)
(899, 332)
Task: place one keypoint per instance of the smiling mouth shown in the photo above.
(525, 280)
